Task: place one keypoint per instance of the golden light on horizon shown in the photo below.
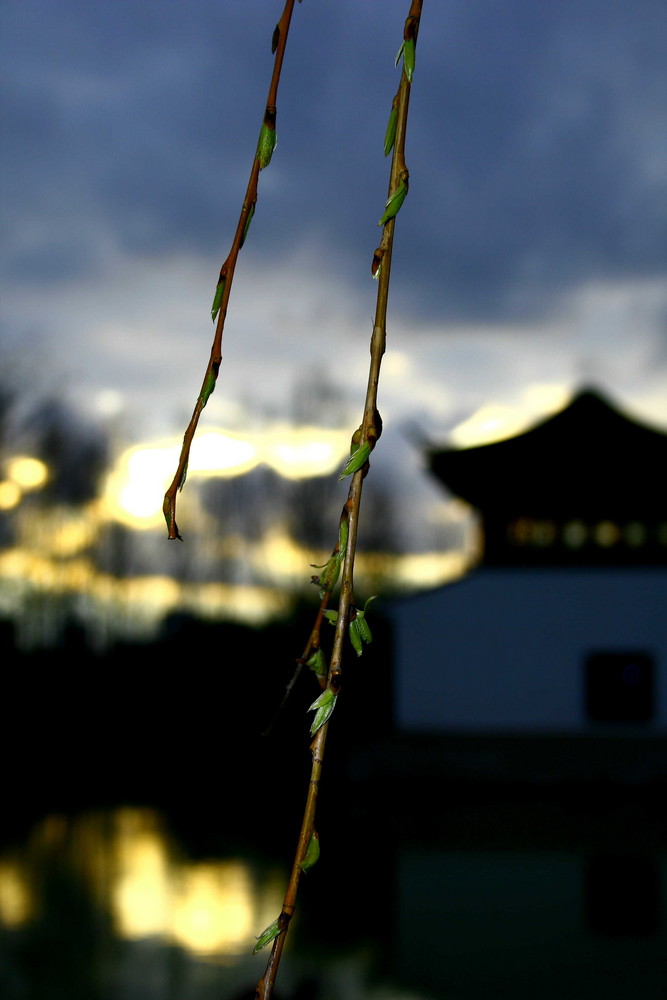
(498, 421)
(493, 422)
(135, 486)
(299, 452)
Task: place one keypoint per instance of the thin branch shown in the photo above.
(367, 434)
(265, 147)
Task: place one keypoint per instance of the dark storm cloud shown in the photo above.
(536, 143)
(542, 171)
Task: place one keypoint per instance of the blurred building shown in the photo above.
(561, 632)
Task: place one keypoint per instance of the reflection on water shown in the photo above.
(16, 908)
(108, 898)
(532, 926)
(107, 905)
(136, 877)
(212, 909)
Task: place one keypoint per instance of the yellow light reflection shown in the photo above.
(140, 893)
(16, 905)
(131, 868)
(28, 473)
(213, 908)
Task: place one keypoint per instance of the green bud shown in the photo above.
(360, 631)
(409, 50)
(390, 134)
(217, 299)
(317, 663)
(363, 626)
(209, 386)
(251, 212)
(394, 202)
(329, 576)
(312, 853)
(323, 707)
(330, 570)
(355, 636)
(266, 145)
(331, 616)
(356, 460)
(343, 532)
(267, 935)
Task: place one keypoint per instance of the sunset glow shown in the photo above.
(136, 484)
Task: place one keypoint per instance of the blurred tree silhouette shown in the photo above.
(76, 454)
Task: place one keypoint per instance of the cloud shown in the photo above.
(536, 144)
(530, 248)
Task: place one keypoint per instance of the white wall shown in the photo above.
(505, 649)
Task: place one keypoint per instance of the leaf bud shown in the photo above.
(312, 853)
(317, 663)
(267, 935)
(323, 707)
(355, 636)
(356, 460)
(390, 134)
(217, 298)
(267, 139)
(394, 202)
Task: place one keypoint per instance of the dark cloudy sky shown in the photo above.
(531, 252)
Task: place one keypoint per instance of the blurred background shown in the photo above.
(147, 824)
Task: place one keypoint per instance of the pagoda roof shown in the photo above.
(588, 458)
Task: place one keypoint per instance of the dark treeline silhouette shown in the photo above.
(178, 724)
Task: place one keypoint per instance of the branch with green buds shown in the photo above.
(266, 145)
(358, 628)
(328, 578)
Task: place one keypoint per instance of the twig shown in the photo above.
(265, 147)
(312, 645)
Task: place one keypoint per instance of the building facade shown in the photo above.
(562, 629)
